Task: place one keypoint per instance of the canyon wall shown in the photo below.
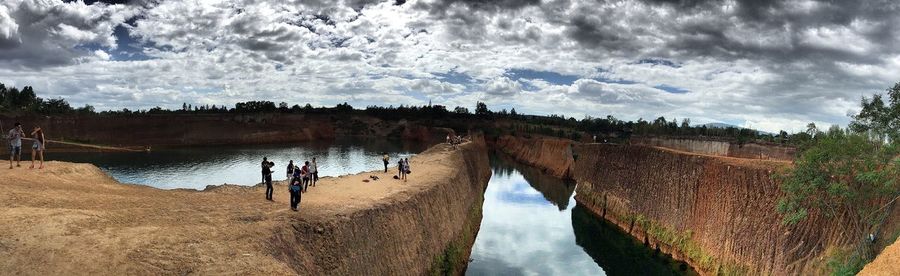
(429, 231)
(720, 148)
(553, 155)
(717, 213)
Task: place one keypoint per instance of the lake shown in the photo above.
(197, 167)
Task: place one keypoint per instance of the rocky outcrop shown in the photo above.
(73, 219)
(553, 155)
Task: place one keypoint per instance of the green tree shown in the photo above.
(481, 109)
(846, 174)
(881, 120)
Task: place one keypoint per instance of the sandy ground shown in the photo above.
(74, 219)
(887, 263)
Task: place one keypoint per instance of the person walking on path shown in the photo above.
(15, 145)
(290, 170)
(267, 176)
(386, 160)
(294, 189)
(314, 172)
(304, 174)
(38, 147)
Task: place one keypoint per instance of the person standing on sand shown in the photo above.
(15, 145)
(304, 174)
(400, 171)
(267, 176)
(290, 170)
(314, 172)
(386, 160)
(294, 189)
(406, 170)
(38, 147)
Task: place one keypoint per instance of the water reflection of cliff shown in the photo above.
(617, 252)
(553, 189)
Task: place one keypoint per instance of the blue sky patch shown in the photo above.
(454, 77)
(671, 89)
(551, 77)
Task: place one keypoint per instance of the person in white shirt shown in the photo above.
(15, 145)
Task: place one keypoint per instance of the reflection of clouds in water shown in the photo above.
(534, 238)
(197, 167)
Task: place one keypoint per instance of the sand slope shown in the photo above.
(887, 263)
(74, 219)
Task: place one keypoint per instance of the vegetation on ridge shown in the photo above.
(849, 174)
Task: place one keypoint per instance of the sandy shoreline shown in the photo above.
(73, 218)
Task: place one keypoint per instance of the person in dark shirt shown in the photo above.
(294, 188)
(290, 170)
(304, 172)
(267, 176)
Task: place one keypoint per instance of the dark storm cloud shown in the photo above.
(441, 6)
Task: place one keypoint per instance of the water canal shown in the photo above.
(531, 225)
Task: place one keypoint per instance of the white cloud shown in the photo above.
(796, 67)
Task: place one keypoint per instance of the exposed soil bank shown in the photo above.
(218, 129)
(717, 213)
(74, 219)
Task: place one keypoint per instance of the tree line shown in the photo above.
(25, 101)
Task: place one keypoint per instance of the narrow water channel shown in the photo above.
(531, 225)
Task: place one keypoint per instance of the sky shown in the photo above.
(765, 64)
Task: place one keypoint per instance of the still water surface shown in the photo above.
(531, 225)
(197, 167)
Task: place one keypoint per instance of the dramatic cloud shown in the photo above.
(765, 64)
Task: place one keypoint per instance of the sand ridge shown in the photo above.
(74, 219)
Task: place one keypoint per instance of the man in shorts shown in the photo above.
(15, 145)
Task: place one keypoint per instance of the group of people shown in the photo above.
(402, 166)
(454, 140)
(15, 137)
(299, 179)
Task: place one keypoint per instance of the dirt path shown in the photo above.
(74, 219)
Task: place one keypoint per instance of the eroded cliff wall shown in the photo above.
(553, 155)
(433, 229)
(717, 213)
(720, 148)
